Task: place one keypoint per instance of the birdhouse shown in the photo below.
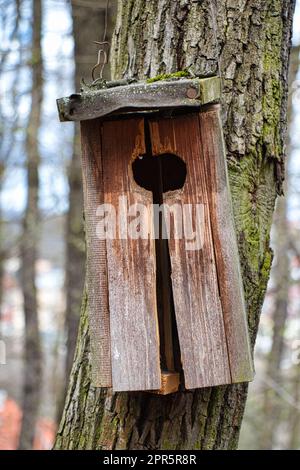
(165, 295)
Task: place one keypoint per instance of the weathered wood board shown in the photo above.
(189, 93)
(198, 308)
(225, 244)
(96, 281)
(131, 266)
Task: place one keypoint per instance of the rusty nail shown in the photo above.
(192, 93)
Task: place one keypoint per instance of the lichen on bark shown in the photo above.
(247, 42)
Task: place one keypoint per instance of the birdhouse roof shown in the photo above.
(125, 96)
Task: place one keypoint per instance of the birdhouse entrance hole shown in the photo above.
(160, 174)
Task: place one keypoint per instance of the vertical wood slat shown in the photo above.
(195, 285)
(131, 267)
(96, 282)
(226, 249)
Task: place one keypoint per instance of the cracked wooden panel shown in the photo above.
(226, 250)
(194, 277)
(96, 281)
(131, 264)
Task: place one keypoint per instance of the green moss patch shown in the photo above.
(166, 76)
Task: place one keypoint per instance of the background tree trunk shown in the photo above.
(7, 124)
(294, 431)
(88, 24)
(294, 412)
(32, 366)
(281, 274)
(247, 42)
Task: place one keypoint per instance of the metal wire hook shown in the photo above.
(100, 63)
(102, 53)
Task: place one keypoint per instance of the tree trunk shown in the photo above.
(281, 272)
(247, 42)
(32, 366)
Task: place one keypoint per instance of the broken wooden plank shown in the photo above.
(96, 281)
(131, 264)
(195, 284)
(139, 96)
(170, 382)
(226, 249)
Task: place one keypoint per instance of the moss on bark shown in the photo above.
(166, 76)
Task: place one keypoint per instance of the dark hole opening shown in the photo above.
(159, 174)
(166, 172)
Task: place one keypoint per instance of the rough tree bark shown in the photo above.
(32, 365)
(247, 42)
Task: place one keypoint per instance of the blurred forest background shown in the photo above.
(46, 47)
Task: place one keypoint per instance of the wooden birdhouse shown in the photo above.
(165, 296)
